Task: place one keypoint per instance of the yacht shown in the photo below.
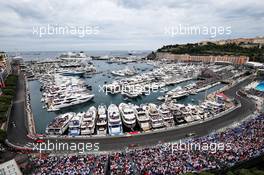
(166, 115)
(155, 118)
(114, 120)
(128, 115)
(176, 112)
(72, 73)
(88, 121)
(178, 95)
(194, 112)
(75, 124)
(131, 92)
(125, 72)
(142, 118)
(60, 124)
(101, 122)
(75, 99)
(74, 56)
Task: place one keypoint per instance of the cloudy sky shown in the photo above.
(123, 24)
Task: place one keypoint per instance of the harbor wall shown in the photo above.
(28, 111)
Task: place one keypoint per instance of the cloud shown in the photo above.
(123, 24)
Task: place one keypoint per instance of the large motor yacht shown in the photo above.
(74, 56)
(68, 101)
(155, 118)
(60, 124)
(142, 118)
(128, 115)
(88, 122)
(166, 115)
(75, 124)
(114, 120)
(101, 121)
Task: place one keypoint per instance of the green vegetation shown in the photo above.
(7, 96)
(255, 53)
(2, 136)
(11, 81)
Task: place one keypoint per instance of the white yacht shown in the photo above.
(166, 115)
(155, 118)
(88, 122)
(74, 56)
(114, 120)
(101, 122)
(177, 113)
(128, 115)
(75, 124)
(131, 94)
(60, 124)
(142, 118)
(75, 99)
(194, 112)
(178, 95)
(124, 72)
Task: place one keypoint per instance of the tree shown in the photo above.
(2, 136)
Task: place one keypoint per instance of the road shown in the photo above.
(17, 130)
(18, 135)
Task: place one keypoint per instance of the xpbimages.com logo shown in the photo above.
(55, 29)
(211, 147)
(211, 31)
(55, 146)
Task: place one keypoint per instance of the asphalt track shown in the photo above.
(17, 125)
(18, 135)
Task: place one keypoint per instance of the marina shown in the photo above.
(153, 100)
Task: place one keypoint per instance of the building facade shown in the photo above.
(10, 167)
(207, 59)
(5, 68)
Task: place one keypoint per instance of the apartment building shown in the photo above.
(5, 67)
(207, 59)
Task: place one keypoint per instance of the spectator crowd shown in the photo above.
(246, 142)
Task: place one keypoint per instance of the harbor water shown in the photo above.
(42, 117)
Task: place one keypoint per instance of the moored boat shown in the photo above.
(59, 124)
(142, 118)
(101, 121)
(127, 115)
(114, 120)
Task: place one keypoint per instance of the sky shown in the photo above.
(30, 25)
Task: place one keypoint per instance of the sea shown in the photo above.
(42, 117)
